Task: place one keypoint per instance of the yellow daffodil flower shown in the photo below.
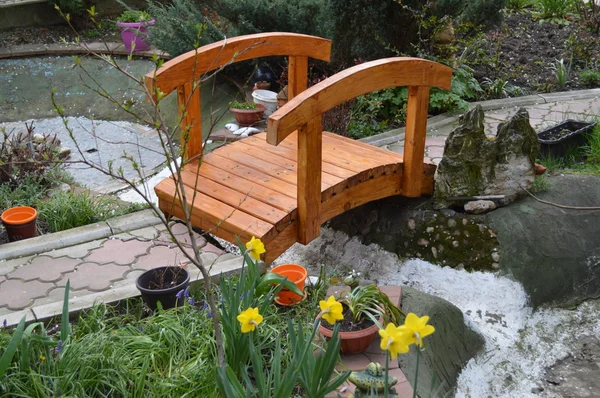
(331, 310)
(255, 248)
(417, 329)
(393, 339)
(249, 319)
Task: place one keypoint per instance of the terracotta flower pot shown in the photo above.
(296, 274)
(352, 342)
(248, 117)
(20, 222)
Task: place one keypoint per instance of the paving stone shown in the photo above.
(95, 277)
(17, 294)
(435, 151)
(147, 233)
(44, 268)
(119, 252)
(397, 147)
(160, 256)
(76, 251)
(210, 248)
(356, 362)
(7, 266)
(436, 141)
(55, 295)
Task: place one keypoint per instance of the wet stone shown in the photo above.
(451, 223)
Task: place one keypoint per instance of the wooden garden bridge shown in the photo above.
(282, 185)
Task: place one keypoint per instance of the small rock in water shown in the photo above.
(422, 242)
(455, 244)
(451, 223)
(496, 257)
(64, 152)
(38, 138)
(429, 230)
(434, 252)
(495, 266)
(479, 206)
(465, 221)
(412, 224)
(232, 126)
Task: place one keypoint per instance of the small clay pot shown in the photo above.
(296, 274)
(249, 117)
(352, 342)
(20, 222)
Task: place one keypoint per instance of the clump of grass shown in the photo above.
(541, 184)
(66, 210)
(590, 78)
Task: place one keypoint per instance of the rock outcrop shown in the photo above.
(448, 350)
(474, 165)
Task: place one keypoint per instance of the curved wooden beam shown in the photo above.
(189, 67)
(350, 83)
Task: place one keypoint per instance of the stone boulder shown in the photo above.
(553, 252)
(474, 165)
(447, 350)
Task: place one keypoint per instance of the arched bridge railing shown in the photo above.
(304, 114)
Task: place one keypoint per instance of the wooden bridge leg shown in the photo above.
(309, 180)
(414, 140)
(190, 114)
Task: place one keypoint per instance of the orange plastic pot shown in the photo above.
(296, 274)
(20, 222)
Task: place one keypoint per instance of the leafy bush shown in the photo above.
(589, 12)
(376, 112)
(554, 11)
(181, 27)
(74, 7)
(255, 16)
(482, 12)
(518, 6)
(590, 78)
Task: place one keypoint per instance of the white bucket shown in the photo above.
(267, 98)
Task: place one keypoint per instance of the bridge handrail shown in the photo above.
(183, 72)
(304, 113)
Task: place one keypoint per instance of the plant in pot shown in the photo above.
(365, 308)
(163, 284)
(247, 113)
(133, 25)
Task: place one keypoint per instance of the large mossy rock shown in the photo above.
(475, 165)
(553, 252)
(447, 350)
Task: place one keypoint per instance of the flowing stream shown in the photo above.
(520, 342)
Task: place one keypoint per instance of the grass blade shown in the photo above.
(6, 359)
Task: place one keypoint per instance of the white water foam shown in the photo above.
(520, 342)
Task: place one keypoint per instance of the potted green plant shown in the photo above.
(247, 113)
(133, 25)
(364, 310)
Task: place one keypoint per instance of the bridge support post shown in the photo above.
(414, 140)
(309, 180)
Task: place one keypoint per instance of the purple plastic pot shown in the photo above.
(135, 32)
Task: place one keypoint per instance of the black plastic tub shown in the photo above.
(162, 284)
(565, 137)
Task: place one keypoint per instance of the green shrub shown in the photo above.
(134, 16)
(482, 12)
(181, 27)
(590, 78)
(518, 6)
(255, 16)
(73, 7)
(554, 11)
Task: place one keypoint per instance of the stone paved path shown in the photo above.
(100, 269)
(550, 110)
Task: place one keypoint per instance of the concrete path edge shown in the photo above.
(71, 237)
